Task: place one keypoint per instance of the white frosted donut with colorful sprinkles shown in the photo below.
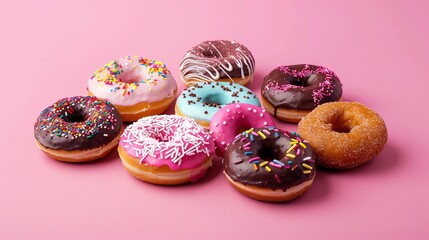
(136, 86)
(166, 149)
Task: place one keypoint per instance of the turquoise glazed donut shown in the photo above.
(201, 101)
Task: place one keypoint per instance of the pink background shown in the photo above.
(377, 48)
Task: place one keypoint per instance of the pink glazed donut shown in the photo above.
(233, 119)
(166, 149)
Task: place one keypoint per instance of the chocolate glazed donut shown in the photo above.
(298, 89)
(77, 123)
(269, 164)
(225, 61)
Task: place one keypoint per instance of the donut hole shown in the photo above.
(268, 152)
(130, 75)
(343, 123)
(215, 100)
(75, 115)
(211, 54)
(161, 137)
(304, 81)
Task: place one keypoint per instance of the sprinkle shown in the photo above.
(277, 178)
(307, 171)
(294, 167)
(254, 134)
(302, 145)
(268, 169)
(265, 123)
(263, 164)
(247, 153)
(266, 131)
(306, 159)
(255, 167)
(243, 139)
(290, 155)
(291, 148)
(276, 134)
(254, 159)
(275, 165)
(278, 162)
(298, 151)
(247, 144)
(252, 138)
(262, 135)
(307, 166)
(250, 130)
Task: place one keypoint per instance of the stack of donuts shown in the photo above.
(215, 116)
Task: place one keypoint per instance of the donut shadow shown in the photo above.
(387, 160)
(255, 85)
(111, 157)
(210, 174)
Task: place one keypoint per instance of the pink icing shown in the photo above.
(131, 80)
(178, 142)
(234, 119)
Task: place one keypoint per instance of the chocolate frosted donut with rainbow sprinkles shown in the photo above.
(269, 164)
(291, 92)
(78, 129)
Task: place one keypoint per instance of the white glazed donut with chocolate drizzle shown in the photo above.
(217, 61)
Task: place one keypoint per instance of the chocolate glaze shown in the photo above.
(294, 171)
(301, 87)
(77, 123)
(210, 58)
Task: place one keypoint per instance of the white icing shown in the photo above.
(203, 69)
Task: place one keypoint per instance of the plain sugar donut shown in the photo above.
(344, 134)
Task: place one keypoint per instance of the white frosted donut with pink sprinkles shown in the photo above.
(166, 149)
(234, 119)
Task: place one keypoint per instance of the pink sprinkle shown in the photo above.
(243, 139)
(245, 148)
(247, 144)
(298, 151)
(254, 159)
(277, 178)
(266, 131)
(275, 165)
(254, 134)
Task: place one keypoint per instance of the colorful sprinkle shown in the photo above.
(307, 166)
(263, 164)
(277, 178)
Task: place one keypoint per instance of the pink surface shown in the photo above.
(377, 48)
